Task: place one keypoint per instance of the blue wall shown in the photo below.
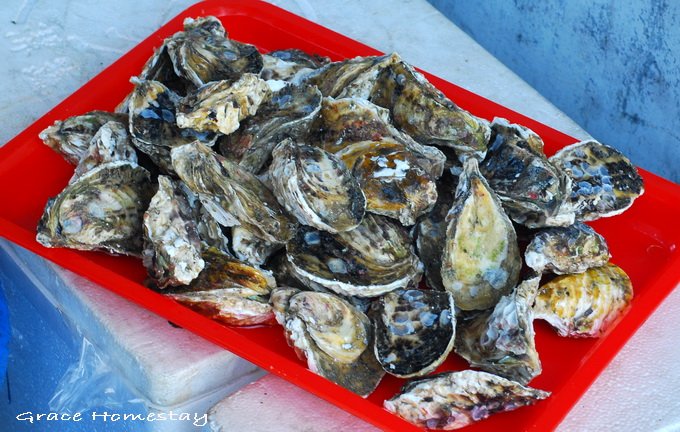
(612, 66)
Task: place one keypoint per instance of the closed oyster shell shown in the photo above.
(455, 399)
(501, 340)
(279, 299)
(604, 182)
(316, 187)
(209, 231)
(101, 210)
(202, 53)
(110, 143)
(287, 114)
(220, 106)
(565, 250)
(71, 137)
(372, 259)
(481, 260)
(423, 112)
(172, 247)
(585, 304)
(529, 186)
(250, 248)
(290, 64)
(344, 332)
(232, 195)
(391, 179)
(414, 331)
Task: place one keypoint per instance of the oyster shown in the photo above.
(250, 248)
(228, 291)
(71, 137)
(172, 247)
(423, 112)
(219, 106)
(431, 231)
(391, 179)
(481, 260)
(209, 231)
(159, 68)
(529, 186)
(414, 331)
(288, 114)
(501, 341)
(585, 304)
(455, 399)
(202, 53)
(279, 299)
(290, 64)
(335, 338)
(347, 121)
(603, 181)
(372, 259)
(565, 250)
(316, 187)
(101, 210)
(110, 143)
(232, 195)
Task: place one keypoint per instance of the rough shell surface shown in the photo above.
(251, 249)
(455, 399)
(290, 64)
(566, 250)
(585, 304)
(481, 260)
(110, 143)
(414, 331)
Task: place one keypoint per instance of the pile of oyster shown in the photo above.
(285, 187)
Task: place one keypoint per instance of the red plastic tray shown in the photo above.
(642, 241)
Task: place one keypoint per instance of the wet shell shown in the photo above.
(391, 179)
(209, 231)
(529, 186)
(288, 114)
(316, 187)
(232, 195)
(603, 181)
(414, 331)
(374, 258)
(423, 112)
(71, 137)
(279, 299)
(172, 247)
(250, 248)
(101, 210)
(566, 250)
(202, 53)
(455, 399)
(501, 341)
(290, 64)
(481, 260)
(110, 143)
(220, 106)
(585, 304)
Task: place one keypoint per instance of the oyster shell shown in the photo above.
(172, 247)
(372, 259)
(220, 106)
(209, 231)
(279, 299)
(290, 64)
(603, 181)
(202, 53)
(71, 137)
(565, 250)
(414, 331)
(287, 114)
(391, 179)
(228, 291)
(501, 341)
(232, 195)
(455, 399)
(585, 304)
(110, 143)
(335, 338)
(316, 187)
(423, 112)
(101, 210)
(346, 121)
(481, 260)
(529, 186)
(250, 248)
(159, 67)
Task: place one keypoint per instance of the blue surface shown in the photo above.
(4, 335)
(613, 67)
